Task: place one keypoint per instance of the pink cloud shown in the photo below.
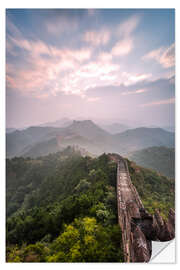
(65, 70)
(97, 38)
(164, 56)
(93, 99)
(45, 73)
(168, 57)
(105, 57)
(125, 45)
(139, 91)
(38, 47)
(130, 78)
(159, 102)
(70, 71)
(122, 47)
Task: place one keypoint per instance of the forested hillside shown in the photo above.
(161, 159)
(62, 207)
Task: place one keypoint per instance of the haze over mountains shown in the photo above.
(41, 140)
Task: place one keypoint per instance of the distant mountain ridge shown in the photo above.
(64, 122)
(9, 130)
(87, 129)
(139, 138)
(85, 134)
(115, 128)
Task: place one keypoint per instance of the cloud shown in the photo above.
(93, 99)
(39, 73)
(133, 78)
(159, 102)
(128, 26)
(124, 31)
(64, 20)
(122, 47)
(97, 38)
(168, 57)
(164, 56)
(46, 70)
(104, 57)
(139, 91)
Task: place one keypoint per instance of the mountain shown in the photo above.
(115, 128)
(9, 130)
(31, 140)
(139, 138)
(161, 159)
(18, 140)
(85, 134)
(169, 128)
(63, 207)
(88, 129)
(64, 122)
(41, 149)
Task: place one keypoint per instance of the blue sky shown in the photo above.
(111, 64)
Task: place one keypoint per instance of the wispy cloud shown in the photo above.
(125, 31)
(164, 56)
(139, 91)
(159, 102)
(65, 70)
(128, 26)
(122, 47)
(97, 38)
(133, 78)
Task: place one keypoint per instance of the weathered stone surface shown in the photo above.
(165, 230)
(141, 247)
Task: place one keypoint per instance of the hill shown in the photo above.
(115, 128)
(139, 138)
(62, 207)
(161, 159)
(88, 130)
(9, 130)
(18, 140)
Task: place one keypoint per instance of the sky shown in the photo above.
(101, 64)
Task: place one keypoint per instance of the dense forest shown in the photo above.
(62, 207)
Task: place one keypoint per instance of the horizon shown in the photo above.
(100, 123)
(116, 65)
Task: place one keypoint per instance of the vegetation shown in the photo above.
(156, 191)
(161, 159)
(62, 207)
